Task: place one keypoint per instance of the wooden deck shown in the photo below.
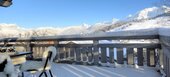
(151, 48)
(68, 70)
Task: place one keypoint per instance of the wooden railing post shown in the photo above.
(96, 51)
(140, 56)
(130, 56)
(151, 57)
(84, 56)
(90, 54)
(103, 55)
(72, 53)
(120, 59)
(57, 48)
(29, 47)
(78, 53)
(111, 55)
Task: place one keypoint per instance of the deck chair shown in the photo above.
(43, 66)
(6, 66)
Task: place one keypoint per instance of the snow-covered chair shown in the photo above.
(6, 66)
(41, 66)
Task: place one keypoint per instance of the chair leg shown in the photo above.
(51, 73)
(45, 74)
(41, 74)
(22, 74)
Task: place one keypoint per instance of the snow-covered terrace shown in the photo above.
(117, 68)
(68, 70)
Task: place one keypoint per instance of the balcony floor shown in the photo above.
(68, 70)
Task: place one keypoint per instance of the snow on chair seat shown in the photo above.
(6, 66)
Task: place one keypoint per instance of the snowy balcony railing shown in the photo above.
(150, 47)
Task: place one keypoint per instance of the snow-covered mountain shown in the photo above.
(153, 17)
(148, 18)
(151, 12)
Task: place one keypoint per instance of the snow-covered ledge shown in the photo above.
(164, 37)
(164, 31)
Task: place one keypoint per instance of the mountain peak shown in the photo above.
(151, 12)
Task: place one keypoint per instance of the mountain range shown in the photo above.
(152, 17)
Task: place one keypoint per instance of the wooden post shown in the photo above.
(103, 55)
(96, 51)
(84, 57)
(61, 53)
(81, 54)
(90, 54)
(72, 53)
(57, 48)
(39, 52)
(29, 47)
(120, 59)
(66, 52)
(160, 55)
(130, 56)
(140, 56)
(151, 57)
(165, 64)
(111, 55)
(78, 57)
(42, 49)
(168, 67)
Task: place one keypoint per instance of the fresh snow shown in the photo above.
(164, 31)
(151, 12)
(67, 70)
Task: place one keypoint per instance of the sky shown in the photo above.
(64, 13)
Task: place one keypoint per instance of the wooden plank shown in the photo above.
(130, 56)
(140, 56)
(133, 34)
(164, 63)
(78, 53)
(35, 53)
(111, 55)
(61, 53)
(120, 59)
(57, 54)
(168, 68)
(132, 45)
(151, 57)
(96, 51)
(90, 54)
(55, 45)
(160, 56)
(83, 52)
(72, 51)
(103, 55)
(66, 52)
